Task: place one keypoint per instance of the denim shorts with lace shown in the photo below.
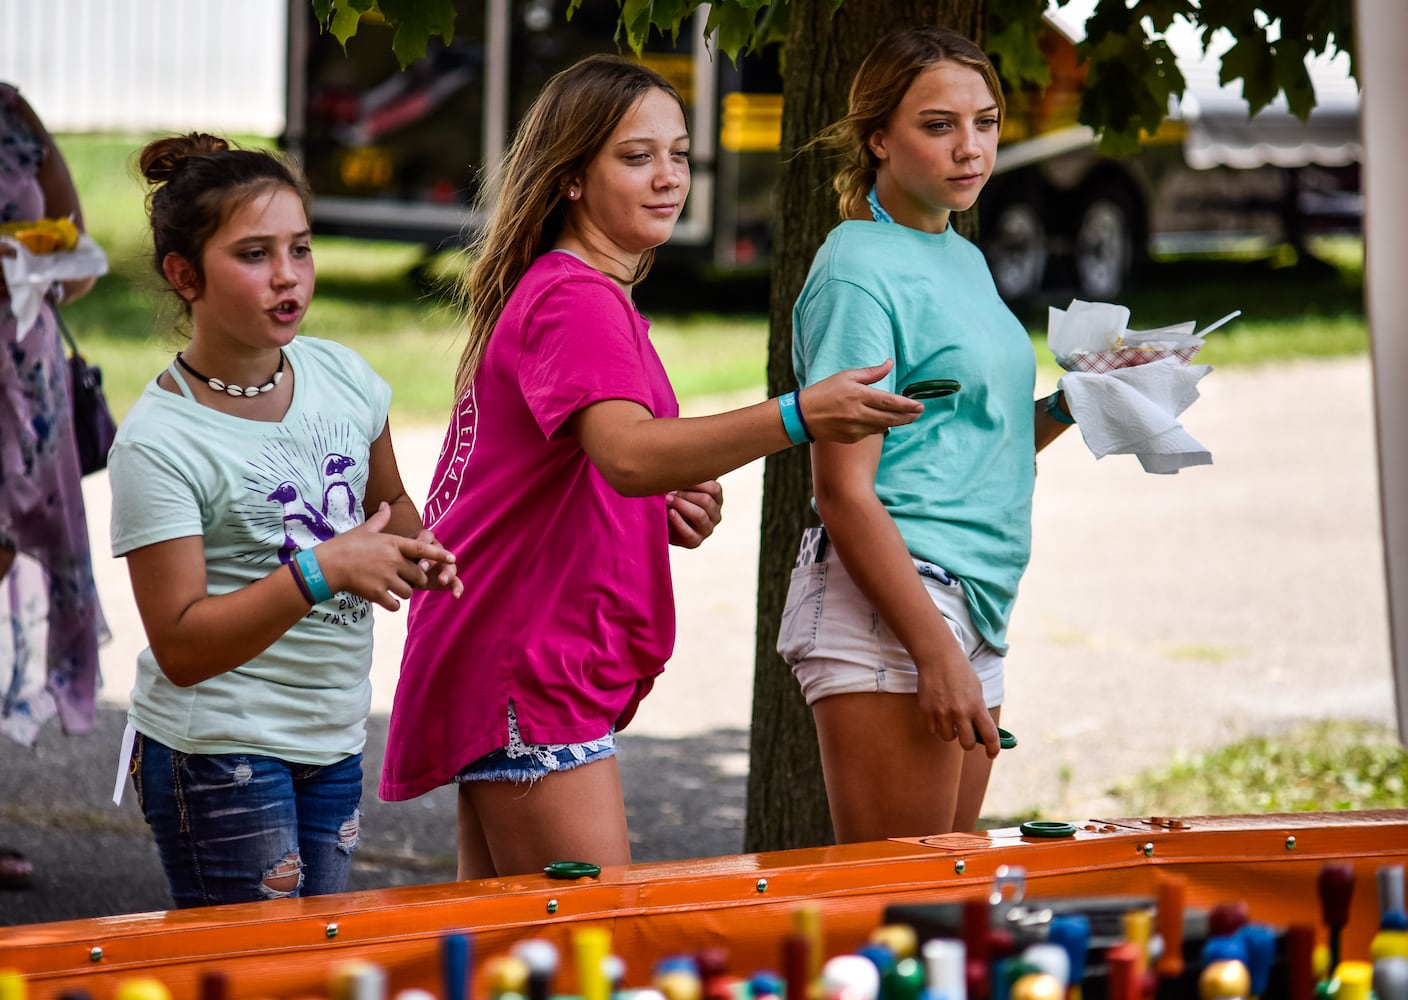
(520, 762)
(836, 643)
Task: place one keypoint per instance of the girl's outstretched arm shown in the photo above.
(641, 456)
(195, 635)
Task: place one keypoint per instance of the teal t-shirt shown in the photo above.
(256, 492)
(958, 481)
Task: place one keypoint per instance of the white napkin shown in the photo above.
(1135, 411)
(29, 276)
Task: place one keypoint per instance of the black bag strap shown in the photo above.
(63, 327)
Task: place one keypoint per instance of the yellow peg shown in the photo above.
(142, 988)
(899, 938)
(11, 985)
(592, 945)
(1356, 979)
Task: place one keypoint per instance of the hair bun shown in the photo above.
(162, 159)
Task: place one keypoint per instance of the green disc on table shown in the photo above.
(572, 869)
(1047, 828)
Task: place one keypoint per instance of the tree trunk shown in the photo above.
(786, 796)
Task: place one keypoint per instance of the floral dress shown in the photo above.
(50, 620)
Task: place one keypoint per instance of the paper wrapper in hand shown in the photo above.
(1095, 337)
(29, 276)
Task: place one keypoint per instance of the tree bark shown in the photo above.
(786, 795)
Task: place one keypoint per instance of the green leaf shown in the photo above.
(415, 21)
(1252, 60)
(733, 27)
(345, 19)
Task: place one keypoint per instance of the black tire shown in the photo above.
(1109, 240)
(1015, 243)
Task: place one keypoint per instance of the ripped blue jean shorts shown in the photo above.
(226, 823)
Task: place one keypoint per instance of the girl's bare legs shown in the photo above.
(888, 776)
(508, 828)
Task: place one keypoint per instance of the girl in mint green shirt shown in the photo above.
(897, 616)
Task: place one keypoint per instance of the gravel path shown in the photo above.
(1160, 613)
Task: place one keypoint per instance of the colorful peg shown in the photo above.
(1391, 978)
(541, 958)
(1336, 886)
(850, 977)
(1122, 976)
(765, 986)
(1299, 947)
(11, 985)
(797, 966)
(1392, 913)
(1172, 902)
(1072, 932)
(1259, 942)
(454, 967)
(945, 969)
(590, 946)
(1355, 980)
(899, 938)
(1224, 980)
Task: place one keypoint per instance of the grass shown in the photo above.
(1324, 766)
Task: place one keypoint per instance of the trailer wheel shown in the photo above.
(1107, 242)
(1014, 241)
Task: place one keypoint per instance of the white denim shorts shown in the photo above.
(836, 642)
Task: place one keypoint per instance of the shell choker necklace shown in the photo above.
(235, 390)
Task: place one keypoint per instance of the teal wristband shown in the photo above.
(792, 418)
(1053, 408)
(312, 574)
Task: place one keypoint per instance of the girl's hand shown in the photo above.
(951, 698)
(694, 513)
(381, 567)
(845, 408)
(439, 575)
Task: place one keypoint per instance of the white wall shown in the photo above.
(148, 65)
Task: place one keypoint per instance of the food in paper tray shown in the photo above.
(42, 235)
(1095, 337)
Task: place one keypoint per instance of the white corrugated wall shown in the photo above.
(148, 65)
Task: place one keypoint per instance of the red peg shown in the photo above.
(1336, 885)
(1299, 945)
(1225, 919)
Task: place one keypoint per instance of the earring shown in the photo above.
(572, 193)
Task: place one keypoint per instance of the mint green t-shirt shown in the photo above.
(256, 492)
(958, 481)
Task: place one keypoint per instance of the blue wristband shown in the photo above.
(302, 587)
(1053, 408)
(313, 576)
(792, 421)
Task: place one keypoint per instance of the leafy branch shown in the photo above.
(1131, 72)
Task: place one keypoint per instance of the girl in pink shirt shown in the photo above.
(564, 476)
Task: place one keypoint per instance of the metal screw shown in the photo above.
(959, 867)
(762, 885)
(95, 954)
(552, 906)
(1290, 843)
(1149, 849)
(330, 930)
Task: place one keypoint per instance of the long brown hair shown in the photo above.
(879, 86)
(568, 123)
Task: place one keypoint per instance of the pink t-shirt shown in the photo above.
(568, 607)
